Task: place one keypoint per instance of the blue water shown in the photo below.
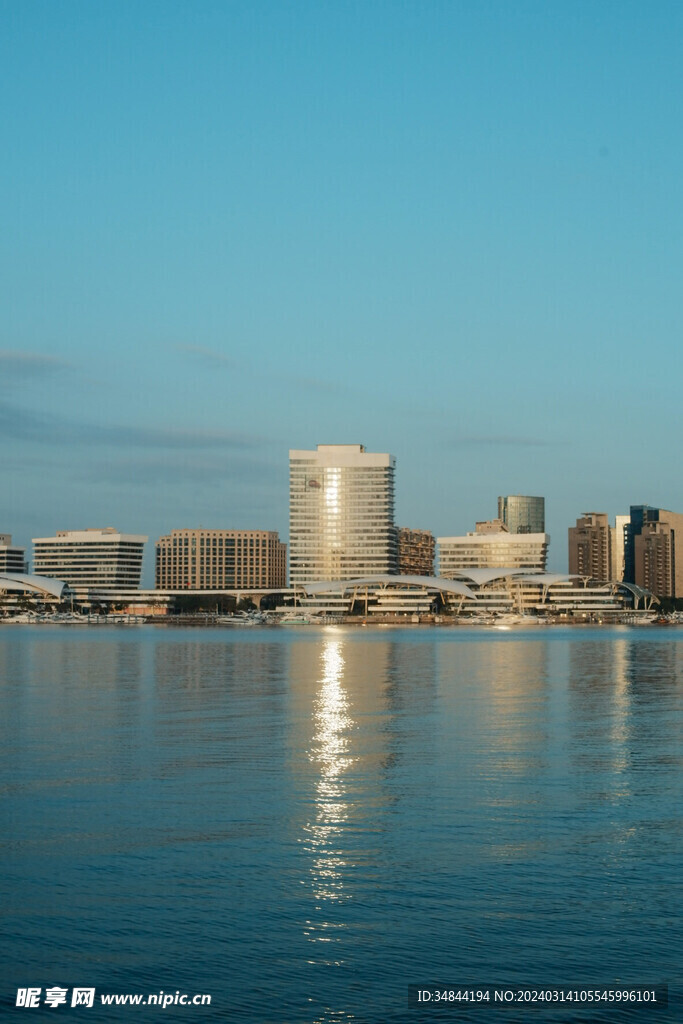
(300, 823)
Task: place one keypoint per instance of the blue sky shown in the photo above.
(451, 231)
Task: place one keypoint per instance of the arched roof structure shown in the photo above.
(440, 584)
(639, 593)
(32, 584)
(479, 578)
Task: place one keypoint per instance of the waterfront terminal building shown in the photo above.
(17, 587)
(341, 514)
(475, 594)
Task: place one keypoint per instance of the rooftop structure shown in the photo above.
(91, 558)
(491, 526)
(35, 586)
(341, 513)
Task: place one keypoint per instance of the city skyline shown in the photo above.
(451, 232)
(610, 563)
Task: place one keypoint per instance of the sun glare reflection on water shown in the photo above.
(330, 754)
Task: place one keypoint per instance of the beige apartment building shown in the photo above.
(591, 544)
(651, 558)
(416, 550)
(658, 569)
(220, 560)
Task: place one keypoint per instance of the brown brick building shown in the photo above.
(220, 560)
(590, 546)
(658, 563)
(416, 549)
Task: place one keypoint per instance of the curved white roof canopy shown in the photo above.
(548, 578)
(479, 577)
(637, 591)
(32, 584)
(426, 582)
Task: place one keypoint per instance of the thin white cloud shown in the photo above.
(499, 440)
(211, 473)
(14, 364)
(209, 356)
(212, 359)
(19, 424)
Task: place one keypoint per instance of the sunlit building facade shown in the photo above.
(220, 560)
(491, 550)
(341, 513)
(618, 547)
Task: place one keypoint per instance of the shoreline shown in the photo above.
(208, 621)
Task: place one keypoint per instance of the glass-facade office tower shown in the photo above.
(521, 513)
(341, 514)
(640, 516)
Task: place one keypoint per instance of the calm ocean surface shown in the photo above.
(303, 822)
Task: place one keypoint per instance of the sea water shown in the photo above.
(301, 823)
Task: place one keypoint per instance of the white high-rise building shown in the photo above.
(103, 559)
(12, 558)
(341, 514)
